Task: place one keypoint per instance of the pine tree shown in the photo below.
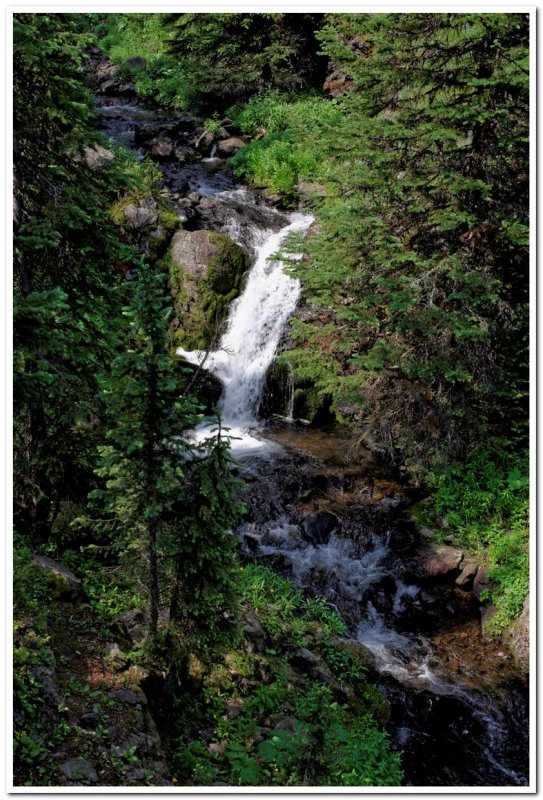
(64, 281)
(422, 251)
(170, 501)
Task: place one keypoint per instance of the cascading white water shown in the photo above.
(255, 324)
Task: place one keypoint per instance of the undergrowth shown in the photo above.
(271, 726)
(486, 505)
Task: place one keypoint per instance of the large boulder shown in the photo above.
(215, 214)
(227, 147)
(207, 270)
(438, 561)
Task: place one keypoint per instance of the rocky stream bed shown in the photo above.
(336, 522)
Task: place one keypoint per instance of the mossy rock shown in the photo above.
(277, 390)
(147, 223)
(206, 272)
(310, 405)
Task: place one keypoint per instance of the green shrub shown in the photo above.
(485, 503)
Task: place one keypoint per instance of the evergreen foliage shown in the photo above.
(420, 190)
(64, 276)
(229, 57)
(168, 501)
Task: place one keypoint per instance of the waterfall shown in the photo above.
(256, 321)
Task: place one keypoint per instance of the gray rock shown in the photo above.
(128, 696)
(438, 560)
(98, 156)
(79, 772)
(482, 581)
(204, 141)
(65, 584)
(143, 215)
(184, 154)
(49, 690)
(319, 525)
(115, 657)
(109, 86)
(467, 576)
(192, 250)
(132, 625)
(308, 663)
(286, 724)
(227, 147)
(160, 149)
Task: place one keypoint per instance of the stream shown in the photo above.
(337, 523)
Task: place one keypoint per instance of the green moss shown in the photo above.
(276, 394)
(226, 269)
(201, 323)
(311, 405)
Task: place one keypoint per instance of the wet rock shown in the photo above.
(66, 586)
(132, 625)
(438, 561)
(251, 543)
(109, 87)
(78, 771)
(466, 577)
(184, 154)
(319, 525)
(227, 147)
(151, 130)
(280, 562)
(160, 149)
(143, 215)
